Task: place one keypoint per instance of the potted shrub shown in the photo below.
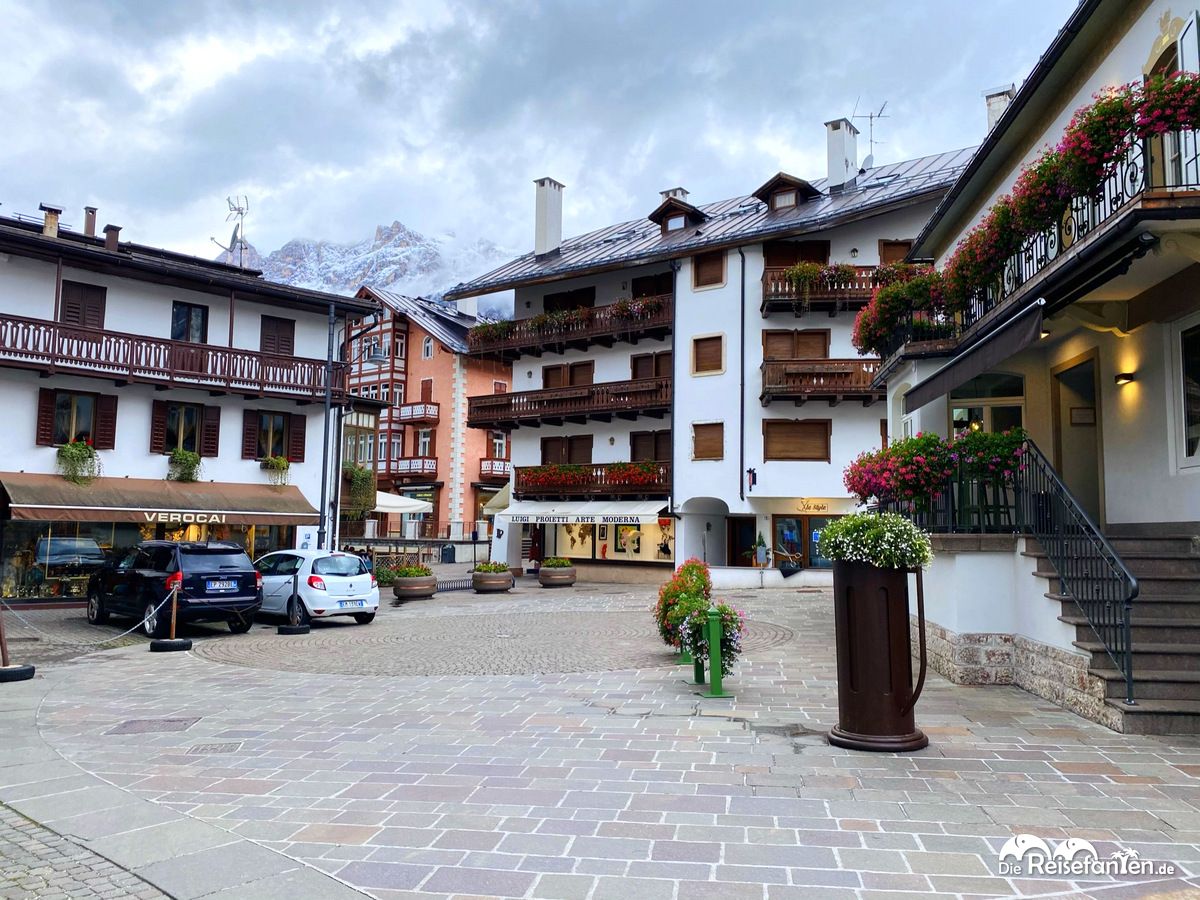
(410, 582)
(872, 556)
(491, 578)
(183, 465)
(277, 469)
(556, 572)
(78, 462)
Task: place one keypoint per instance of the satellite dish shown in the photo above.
(869, 162)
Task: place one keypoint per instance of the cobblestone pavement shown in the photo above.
(36, 862)
(617, 784)
(60, 635)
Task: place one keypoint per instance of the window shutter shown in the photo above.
(641, 446)
(662, 446)
(277, 337)
(582, 372)
(210, 432)
(297, 433)
(565, 300)
(250, 434)
(813, 251)
(554, 451)
(426, 390)
(706, 354)
(158, 427)
(708, 268)
(812, 344)
(652, 285)
(662, 364)
(106, 422)
(893, 251)
(433, 442)
(45, 418)
(779, 254)
(642, 365)
(579, 450)
(778, 344)
(70, 311)
(790, 440)
(82, 305)
(553, 376)
(708, 441)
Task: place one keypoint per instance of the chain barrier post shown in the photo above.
(293, 625)
(171, 644)
(715, 633)
(8, 671)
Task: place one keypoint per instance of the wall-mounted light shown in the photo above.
(1125, 377)
(854, 253)
(612, 441)
(1045, 333)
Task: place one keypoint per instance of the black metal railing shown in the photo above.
(920, 326)
(1035, 502)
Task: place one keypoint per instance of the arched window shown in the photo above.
(427, 348)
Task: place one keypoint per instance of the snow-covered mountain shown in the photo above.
(396, 257)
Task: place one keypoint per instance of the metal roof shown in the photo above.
(730, 222)
(442, 320)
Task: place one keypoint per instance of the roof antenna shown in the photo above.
(238, 208)
(869, 162)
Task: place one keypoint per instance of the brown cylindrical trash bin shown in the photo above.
(874, 662)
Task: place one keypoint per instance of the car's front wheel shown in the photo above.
(297, 612)
(153, 622)
(364, 618)
(96, 613)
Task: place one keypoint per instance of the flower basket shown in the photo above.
(872, 557)
(278, 469)
(183, 465)
(413, 582)
(78, 462)
(491, 578)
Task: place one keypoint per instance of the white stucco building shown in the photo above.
(678, 343)
(139, 352)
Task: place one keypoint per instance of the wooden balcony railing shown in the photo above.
(833, 380)
(598, 402)
(417, 412)
(606, 479)
(68, 349)
(409, 465)
(495, 468)
(780, 295)
(627, 321)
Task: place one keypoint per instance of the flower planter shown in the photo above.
(418, 587)
(560, 577)
(491, 582)
(874, 661)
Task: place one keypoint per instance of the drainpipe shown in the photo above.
(675, 267)
(58, 290)
(323, 521)
(337, 467)
(742, 388)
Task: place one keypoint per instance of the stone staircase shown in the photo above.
(1165, 632)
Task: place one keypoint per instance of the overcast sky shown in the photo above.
(334, 117)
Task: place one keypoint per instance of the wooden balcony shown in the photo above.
(417, 412)
(56, 349)
(831, 380)
(409, 465)
(602, 325)
(490, 469)
(780, 295)
(641, 479)
(579, 404)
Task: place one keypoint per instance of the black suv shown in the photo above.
(217, 582)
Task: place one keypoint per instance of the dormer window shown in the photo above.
(674, 215)
(784, 199)
(675, 223)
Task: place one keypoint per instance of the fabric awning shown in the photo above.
(397, 503)
(595, 512)
(46, 498)
(1011, 337)
(499, 502)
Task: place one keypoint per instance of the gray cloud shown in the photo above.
(337, 118)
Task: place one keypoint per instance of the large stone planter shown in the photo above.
(561, 577)
(874, 661)
(491, 582)
(419, 587)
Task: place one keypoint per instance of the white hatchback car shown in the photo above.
(317, 584)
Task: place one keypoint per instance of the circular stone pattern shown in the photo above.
(513, 644)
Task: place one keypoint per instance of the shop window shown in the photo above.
(708, 269)
(269, 433)
(708, 441)
(791, 440)
(65, 416)
(795, 542)
(708, 355)
(189, 322)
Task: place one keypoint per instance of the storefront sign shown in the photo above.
(577, 519)
(186, 518)
(822, 506)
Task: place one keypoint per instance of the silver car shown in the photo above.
(316, 584)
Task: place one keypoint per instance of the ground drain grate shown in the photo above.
(153, 726)
(230, 747)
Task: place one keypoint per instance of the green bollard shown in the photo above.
(698, 668)
(714, 654)
(684, 656)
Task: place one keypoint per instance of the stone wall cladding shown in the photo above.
(996, 658)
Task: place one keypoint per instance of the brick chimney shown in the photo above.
(997, 100)
(50, 221)
(547, 216)
(112, 234)
(842, 145)
(89, 221)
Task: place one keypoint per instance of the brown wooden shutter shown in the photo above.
(499, 387)
(642, 365)
(706, 354)
(554, 376)
(813, 251)
(582, 373)
(641, 446)
(778, 344)
(708, 268)
(662, 364)
(433, 442)
(893, 251)
(210, 432)
(250, 419)
(789, 440)
(554, 451)
(662, 446)
(105, 437)
(777, 254)
(579, 450)
(708, 441)
(426, 390)
(82, 304)
(45, 418)
(297, 427)
(812, 344)
(277, 337)
(158, 426)
(652, 285)
(883, 435)
(565, 300)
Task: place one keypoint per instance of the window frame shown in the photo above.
(199, 434)
(778, 197)
(286, 433)
(1178, 394)
(73, 429)
(696, 425)
(696, 261)
(704, 337)
(190, 308)
(423, 443)
(427, 347)
(828, 423)
(673, 223)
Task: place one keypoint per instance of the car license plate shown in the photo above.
(347, 603)
(215, 585)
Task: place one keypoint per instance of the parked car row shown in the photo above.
(217, 582)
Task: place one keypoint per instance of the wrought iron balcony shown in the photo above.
(409, 465)
(54, 348)
(417, 412)
(832, 380)
(579, 404)
(624, 321)
(779, 294)
(643, 479)
(494, 468)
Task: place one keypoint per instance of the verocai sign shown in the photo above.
(184, 518)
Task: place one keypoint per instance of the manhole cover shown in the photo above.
(231, 747)
(153, 726)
